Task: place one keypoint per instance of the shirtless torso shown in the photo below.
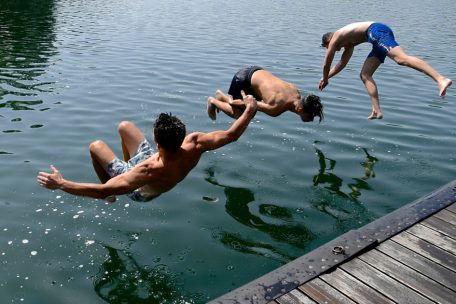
(275, 92)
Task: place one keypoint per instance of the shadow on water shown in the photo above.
(122, 280)
(344, 207)
(285, 229)
(27, 31)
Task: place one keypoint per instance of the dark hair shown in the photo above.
(325, 38)
(169, 131)
(311, 104)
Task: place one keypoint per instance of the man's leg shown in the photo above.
(101, 155)
(370, 66)
(222, 102)
(402, 58)
(130, 138)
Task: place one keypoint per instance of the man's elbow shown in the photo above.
(102, 194)
(104, 191)
(232, 137)
(275, 113)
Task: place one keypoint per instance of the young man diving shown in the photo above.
(383, 44)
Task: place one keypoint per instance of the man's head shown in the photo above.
(309, 107)
(169, 132)
(326, 38)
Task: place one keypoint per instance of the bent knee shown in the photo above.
(401, 60)
(364, 77)
(124, 125)
(96, 145)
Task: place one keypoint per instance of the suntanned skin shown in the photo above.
(277, 96)
(160, 173)
(353, 34)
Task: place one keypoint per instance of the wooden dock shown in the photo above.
(408, 256)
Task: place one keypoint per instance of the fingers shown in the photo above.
(54, 169)
(42, 179)
(242, 93)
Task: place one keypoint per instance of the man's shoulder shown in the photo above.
(191, 140)
(192, 137)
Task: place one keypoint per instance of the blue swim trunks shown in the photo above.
(382, 39)
(117, 167)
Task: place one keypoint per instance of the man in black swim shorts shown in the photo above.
(274, 96)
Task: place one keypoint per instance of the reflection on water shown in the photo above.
(122, 280)
(114, 60)
(26, 44)
(368, 165)
(286, 231)
(345, 208)
(334, 182)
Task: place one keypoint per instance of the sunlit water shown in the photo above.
(71, 70)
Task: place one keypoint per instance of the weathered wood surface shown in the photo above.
(407, 256)
(416, 266)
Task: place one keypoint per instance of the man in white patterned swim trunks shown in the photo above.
(145, 174)
(383, 44)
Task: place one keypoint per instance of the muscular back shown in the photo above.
(164, 172)
(351, 34)
(274, 91)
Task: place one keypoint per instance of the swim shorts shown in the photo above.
(117, 167)
(382, 39)
(242, 81)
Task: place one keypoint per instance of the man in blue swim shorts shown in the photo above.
(383, 44)
(274, 95)
(146, 173)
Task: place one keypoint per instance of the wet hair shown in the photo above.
(325, 38)
(169, 131)
(311, 104)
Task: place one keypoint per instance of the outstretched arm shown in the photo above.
(261, 106)
(329, 57)
(217, 139)
(344, 59)
(121, 184)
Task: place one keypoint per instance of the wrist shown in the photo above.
(61, 184)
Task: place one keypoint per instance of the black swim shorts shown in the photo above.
(242, 81)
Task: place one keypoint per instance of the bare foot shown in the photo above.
(375, 115)
(444, 85)
(211, 109)
(219, 95)
(111, 199)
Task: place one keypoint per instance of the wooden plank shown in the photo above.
(447, 216)
(418, 262)
(353, 288)
(434, 237)
(294, 297)
(409, 277)
(451, 208)
(321, 292)
(426, 249)
(441, 226)
(383, 283)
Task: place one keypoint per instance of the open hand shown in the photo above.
(52, 180)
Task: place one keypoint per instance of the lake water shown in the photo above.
(71, 70)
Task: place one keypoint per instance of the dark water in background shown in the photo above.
(71, 70)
